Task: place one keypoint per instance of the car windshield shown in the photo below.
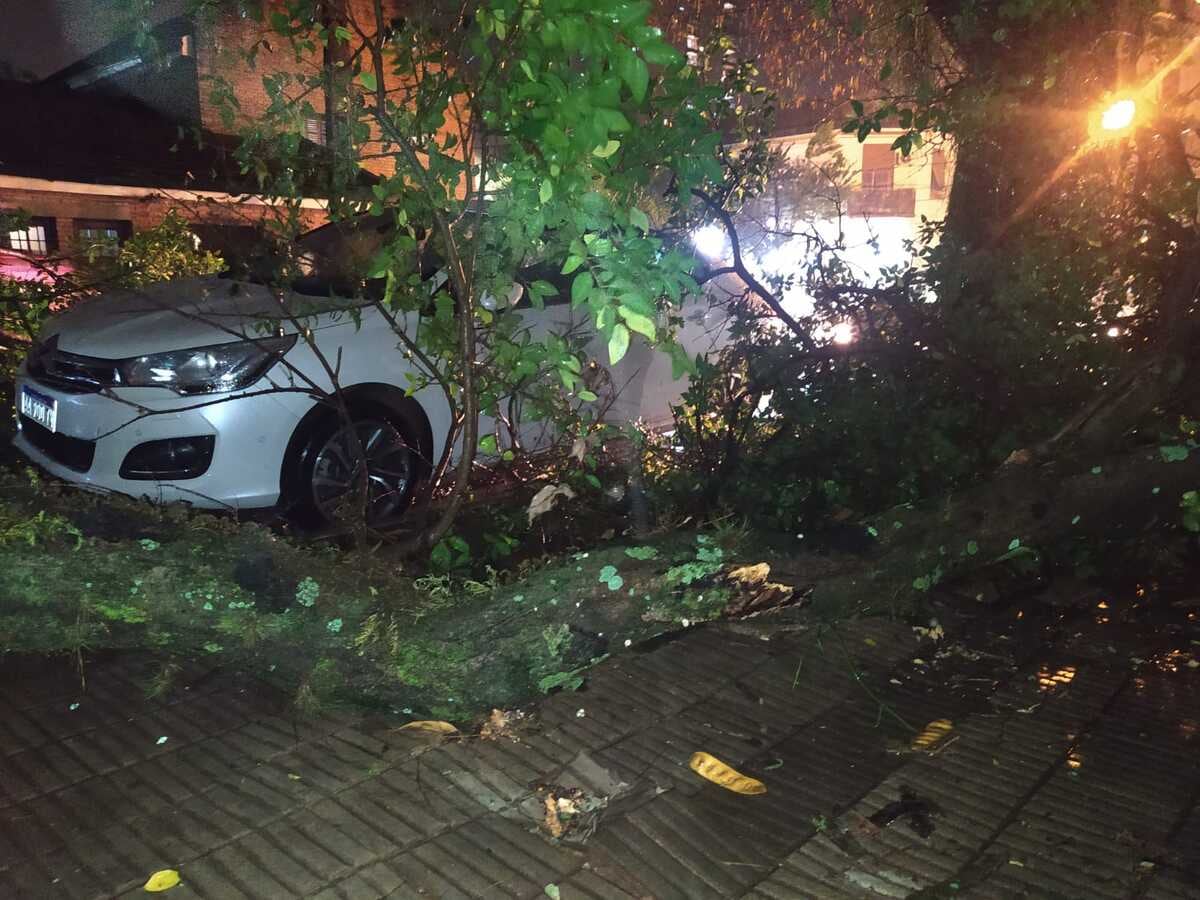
(330, 261)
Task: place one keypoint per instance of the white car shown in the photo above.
(179, 393)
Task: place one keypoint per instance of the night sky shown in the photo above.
(43, 36)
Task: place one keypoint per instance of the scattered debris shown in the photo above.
(934, 632)
(543, 501)
(500, 725)
(917, 812)
(717, 772)
(570, 813)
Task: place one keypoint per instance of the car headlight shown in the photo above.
(204, 370)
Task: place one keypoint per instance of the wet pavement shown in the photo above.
(1071, 770)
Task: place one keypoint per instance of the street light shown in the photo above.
(1119, 115)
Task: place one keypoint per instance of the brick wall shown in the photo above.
(222, 50)
(141, 212)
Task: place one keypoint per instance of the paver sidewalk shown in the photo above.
(1084, 785)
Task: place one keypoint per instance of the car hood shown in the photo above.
(173, 315)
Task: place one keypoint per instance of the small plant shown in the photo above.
(609, 577)
(820, 824)
(450, 553)
(1190, 504)
(642, 553)
(307, 592)
(707, 563)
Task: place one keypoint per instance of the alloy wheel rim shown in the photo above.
(337, 472)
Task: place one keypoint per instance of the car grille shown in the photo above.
(74, 453)
(70, 372)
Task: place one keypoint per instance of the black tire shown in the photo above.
(323, 486)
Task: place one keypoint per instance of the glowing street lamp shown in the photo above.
(1119, 115)
(843, 333)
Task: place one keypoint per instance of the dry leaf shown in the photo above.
(499, 724)
(543, 500)
(717, 772)
(750, 574)
(162, 880)
(430, 726)
(579, 448)
(933, 734)
(552, 823)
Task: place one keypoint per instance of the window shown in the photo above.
(101, 236)
(878, 168)
(693, 50)
(40, 238)
(314, 129)
(937, 174)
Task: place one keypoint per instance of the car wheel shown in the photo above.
(332, 472)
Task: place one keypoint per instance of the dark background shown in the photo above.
(39, 37)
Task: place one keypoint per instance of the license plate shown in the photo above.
(39, 408)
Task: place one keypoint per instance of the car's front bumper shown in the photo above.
(250, 436)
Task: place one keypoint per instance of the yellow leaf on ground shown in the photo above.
(933, 734)
(750, 574)
(552, 823)
(717, 772)
(430, 726)
(162, 880)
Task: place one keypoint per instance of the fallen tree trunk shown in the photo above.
(351, 627)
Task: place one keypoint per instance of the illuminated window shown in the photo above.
(101, 236)
(878, 168)
(314, 129)
(39, 239)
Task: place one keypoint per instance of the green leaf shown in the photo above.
(642, 553)
(588, 396)
(660, 53)
(618, 344)
(637, 322)
(1173, 452)
(607, 150)
(546, 192)
(612, 120)
(972, 548)
(639, 219)
(632, 70)
(342, 33)
(886, 72)
(487, 444)
(1014, 543)
(581, 288)
(573, 262)
(368, 81)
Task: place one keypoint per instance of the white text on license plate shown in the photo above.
(39, 408)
